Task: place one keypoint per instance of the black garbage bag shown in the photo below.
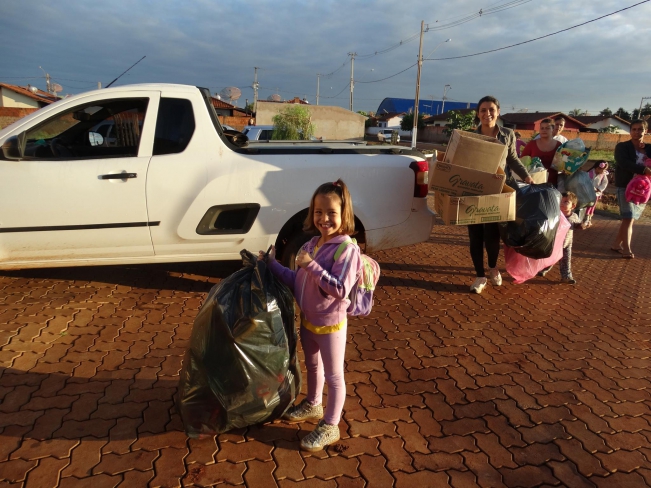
(537, 215)
(581, 185)
(240, 368)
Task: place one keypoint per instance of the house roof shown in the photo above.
(221, 104)
(388, 116)
(444, 117)
(533, 117)
(593, 119)
(39, 95)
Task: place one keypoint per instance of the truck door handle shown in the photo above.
(118, 176)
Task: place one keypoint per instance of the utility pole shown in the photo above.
(255, 91)
(99, 85)
(445, 89)
(352, 80)
(414, 130)
(317, 88)
(639, 111)
(47, 81)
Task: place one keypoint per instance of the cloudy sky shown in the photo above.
(217, 44)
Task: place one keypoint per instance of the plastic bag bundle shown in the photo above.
(570, 156)
(638, 189)
(522, 268)
(533, 165)
(582, 186)
(537, 216)
(240, 368)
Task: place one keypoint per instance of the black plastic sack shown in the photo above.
(581, 185)
(537, 215)
(240, 368)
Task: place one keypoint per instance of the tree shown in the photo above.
(623, 114)
(361, 112)
(606, 112)
(575, 112)
(249, 108)
(457, 120)
(293, 123)
(611, 129)
(407, 122)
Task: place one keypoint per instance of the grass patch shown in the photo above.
(602, 155)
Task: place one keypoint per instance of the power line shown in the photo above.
(512, 45)
(538, 38)
(454, 23)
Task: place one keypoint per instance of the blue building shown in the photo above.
(425, 107)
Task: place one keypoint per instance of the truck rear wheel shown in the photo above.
(292, 247)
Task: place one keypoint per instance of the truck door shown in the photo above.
(73, 196)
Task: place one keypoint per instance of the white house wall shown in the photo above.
(10, 98)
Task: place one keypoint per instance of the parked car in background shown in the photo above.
(263, 133)
(387, 134)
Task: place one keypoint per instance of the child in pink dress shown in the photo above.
(599, 177)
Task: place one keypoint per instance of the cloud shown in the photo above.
(218, 44)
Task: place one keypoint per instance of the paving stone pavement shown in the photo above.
(539, 384)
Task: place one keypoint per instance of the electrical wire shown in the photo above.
(512, 45)
(453, 23)
(538, 38)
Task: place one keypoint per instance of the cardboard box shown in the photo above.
(476, 210)
(539, 177)
(475, 151)
(458, 181)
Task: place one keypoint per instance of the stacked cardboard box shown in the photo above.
(469, 183)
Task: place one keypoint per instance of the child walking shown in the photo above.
(568, 204)
(599, 177)
(321, 287)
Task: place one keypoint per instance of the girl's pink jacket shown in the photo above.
(322, 287)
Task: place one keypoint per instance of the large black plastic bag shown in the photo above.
(240, 368)
(537, 215)
(581, 185)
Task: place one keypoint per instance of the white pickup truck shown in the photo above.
(174, 186)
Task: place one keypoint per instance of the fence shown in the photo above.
(597, 141)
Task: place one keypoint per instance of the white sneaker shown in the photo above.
(479, 285)
(495, 276)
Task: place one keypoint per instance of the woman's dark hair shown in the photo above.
(489, 99)
(517, 134)
(644, 123)
(340, 189)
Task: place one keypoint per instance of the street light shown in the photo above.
(414, 130)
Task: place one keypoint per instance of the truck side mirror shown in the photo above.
(13, 148)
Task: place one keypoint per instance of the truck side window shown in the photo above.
(174, 126)
(75, 134)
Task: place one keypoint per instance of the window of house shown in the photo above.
(174, 126)
(108, 128)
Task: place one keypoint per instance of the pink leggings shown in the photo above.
(324, 360)
(590, 210)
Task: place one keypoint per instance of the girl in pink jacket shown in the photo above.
(321, 287)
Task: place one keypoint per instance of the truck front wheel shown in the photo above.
(294, 244)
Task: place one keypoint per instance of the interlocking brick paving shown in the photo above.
(539, 384)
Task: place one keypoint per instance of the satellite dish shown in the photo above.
(231, 93)
(56, 88)
(275, 98)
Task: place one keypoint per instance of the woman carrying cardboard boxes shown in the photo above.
(488, 235)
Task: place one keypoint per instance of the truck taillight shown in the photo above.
(421, 172)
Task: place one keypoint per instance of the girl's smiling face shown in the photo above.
(327, 215)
